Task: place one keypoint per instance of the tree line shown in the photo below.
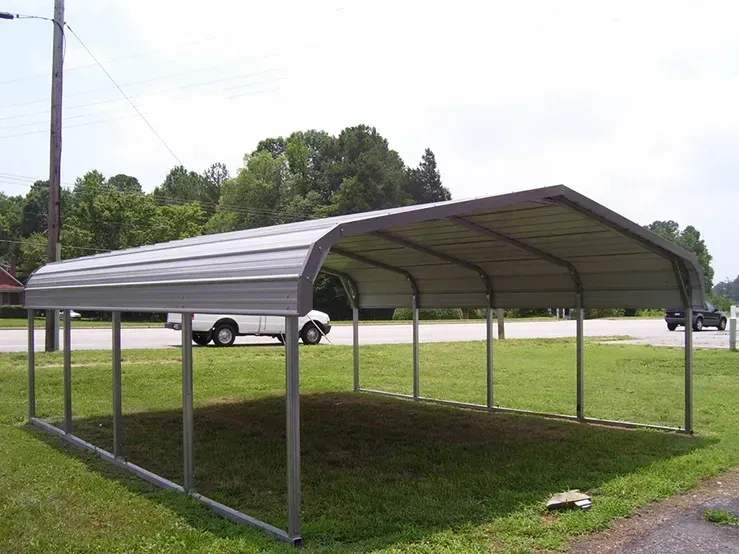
(308, 174)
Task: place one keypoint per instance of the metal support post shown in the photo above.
(292, 401)
(500, 314)
(31, 366)
(355, 314)
(580, 360)
(67, 373)
(187, 410)
(416, 370)
(688, 369)
(117, 397)
(732, 330)
(490, 375)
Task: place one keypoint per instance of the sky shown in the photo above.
(634, 104)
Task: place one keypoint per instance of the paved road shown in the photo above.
(643, 332)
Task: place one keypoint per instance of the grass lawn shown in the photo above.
(22, 323)
(379, 474)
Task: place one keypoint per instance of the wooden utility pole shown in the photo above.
(500, 313)
(55, 166)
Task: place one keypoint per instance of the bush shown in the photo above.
(13, 311)
(527, 312)
(649, 312)
(603, 312)
(406, 314)
(474, 313)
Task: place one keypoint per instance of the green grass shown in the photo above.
(723, 517)
(22, 323)
(379, 474)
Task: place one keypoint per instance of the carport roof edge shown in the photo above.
(271, 270)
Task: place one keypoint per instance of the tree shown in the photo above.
(424, 183)
(370, 175)
(690, 239)
(728, 288)
(125, 183)
(181, 186)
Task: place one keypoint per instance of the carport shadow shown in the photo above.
(378, 471)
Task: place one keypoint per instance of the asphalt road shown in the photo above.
(642, 331)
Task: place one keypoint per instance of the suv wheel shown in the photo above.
(224, 334)
(722, 324)
(672, 326)
(698, 325)
(310, 334)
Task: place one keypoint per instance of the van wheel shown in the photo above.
(224, 335)
(202, 338)
(310, 334)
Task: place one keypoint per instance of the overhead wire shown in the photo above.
(153, 130)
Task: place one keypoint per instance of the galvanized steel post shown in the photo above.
(688, 369)
(187, 407)
(355, 335)
(732, 330)
(67, 373)
(117, 396)
(31, 366)
(490, 374)
(292, 401)
(416, 370)
(580, 360)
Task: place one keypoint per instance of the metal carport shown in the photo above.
(548, 247)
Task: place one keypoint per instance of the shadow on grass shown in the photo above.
(377, 471)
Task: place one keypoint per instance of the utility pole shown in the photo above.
(55, 166)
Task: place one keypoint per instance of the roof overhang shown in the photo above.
(531, 249)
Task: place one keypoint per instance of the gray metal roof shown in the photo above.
(530, 249)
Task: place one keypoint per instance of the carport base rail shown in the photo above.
(483, 408)
(161, 482)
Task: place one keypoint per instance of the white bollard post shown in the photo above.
(732, 329)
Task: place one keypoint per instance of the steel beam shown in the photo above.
(547, 415)
(580, 359)
(348, 283)
(67, 373)
(688, 368)
(416, 360)
(31, 365)
(188, 423)
(117, 394)
(355, 342)
(481, 273)
(490, 374)
(292, 404)
(161, 482)
(380, 265)
(523, 246)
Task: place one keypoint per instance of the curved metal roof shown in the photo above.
(530, 249)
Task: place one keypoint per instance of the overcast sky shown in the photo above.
(634, 104)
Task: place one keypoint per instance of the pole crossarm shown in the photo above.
(442, 256)
(380, 265)
(523, 246)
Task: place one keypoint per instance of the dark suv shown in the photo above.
(710, 317)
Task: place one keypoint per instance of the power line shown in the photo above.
(124, 95)
(63, 246)
(107, 120)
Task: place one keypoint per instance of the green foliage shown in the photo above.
(527, 312)
(690, 239)
(602, 313)
(723, 303)
(728, 288)
(722, 517)
(424, 183)
(649, 312)
(406, 314)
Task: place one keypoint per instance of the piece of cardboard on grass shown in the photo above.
(569, 499)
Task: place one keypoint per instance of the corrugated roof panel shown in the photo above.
(545, 233)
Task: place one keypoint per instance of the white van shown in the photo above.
(223, 329)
